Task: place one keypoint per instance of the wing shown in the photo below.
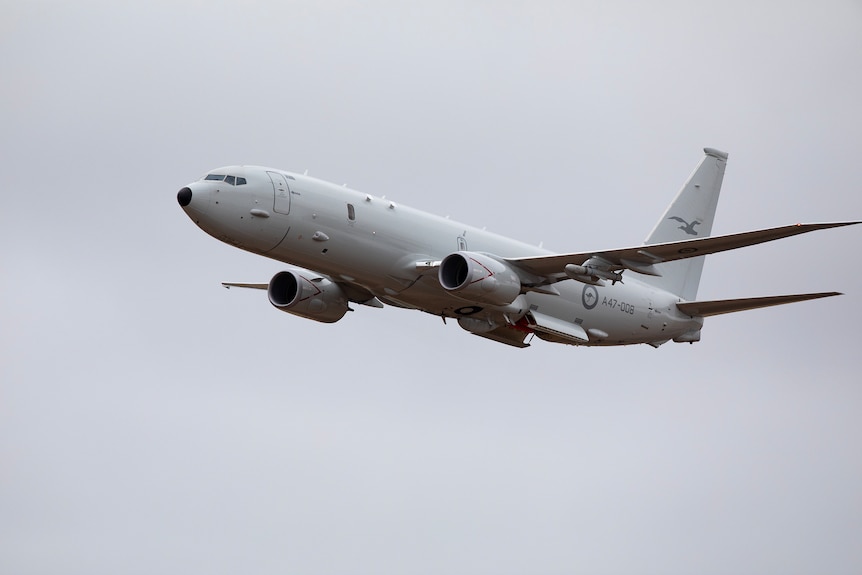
(642, 258)
(229, 285)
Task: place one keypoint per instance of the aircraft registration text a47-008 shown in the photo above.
(620, 305)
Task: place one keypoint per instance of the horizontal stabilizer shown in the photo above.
(718, 307)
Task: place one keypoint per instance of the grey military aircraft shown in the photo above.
(345, 247)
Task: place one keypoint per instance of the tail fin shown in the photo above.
(689, 216)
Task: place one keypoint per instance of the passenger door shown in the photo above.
(281, 191)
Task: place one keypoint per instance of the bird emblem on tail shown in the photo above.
(686, 227)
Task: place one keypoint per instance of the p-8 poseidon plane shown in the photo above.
(343, 246)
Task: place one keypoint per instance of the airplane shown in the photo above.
(346, 247)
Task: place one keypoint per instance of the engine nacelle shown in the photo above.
(479, 278)
(308, 295)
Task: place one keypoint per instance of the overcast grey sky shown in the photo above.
(153, 422)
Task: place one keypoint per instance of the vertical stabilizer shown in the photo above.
(689, 216)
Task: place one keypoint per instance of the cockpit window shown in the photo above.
(232, 180)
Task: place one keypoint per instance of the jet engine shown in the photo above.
(479, 278)
(307, 295)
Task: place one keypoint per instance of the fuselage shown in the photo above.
(389, 251)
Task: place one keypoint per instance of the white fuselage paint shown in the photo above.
(374, 243)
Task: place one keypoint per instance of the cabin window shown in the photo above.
(351, 213)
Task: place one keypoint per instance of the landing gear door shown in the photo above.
(281, 204)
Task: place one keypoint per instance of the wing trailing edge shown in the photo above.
(718, 307)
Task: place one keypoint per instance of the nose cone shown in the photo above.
(194, 199)
(184, 197)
